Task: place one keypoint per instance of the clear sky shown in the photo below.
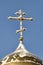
(33, 36)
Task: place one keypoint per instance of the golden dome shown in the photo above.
(21, 57)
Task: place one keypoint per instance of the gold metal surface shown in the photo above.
(21, 63)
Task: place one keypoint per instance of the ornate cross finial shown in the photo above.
(21, 18)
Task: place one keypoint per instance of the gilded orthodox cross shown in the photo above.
(20, 18)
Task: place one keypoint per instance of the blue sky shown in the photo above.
(33, 36)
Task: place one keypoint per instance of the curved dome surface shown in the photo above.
(21, 56)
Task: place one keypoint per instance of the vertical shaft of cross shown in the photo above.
(21, 36)
(20, 28)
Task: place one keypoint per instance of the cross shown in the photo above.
(20, 18)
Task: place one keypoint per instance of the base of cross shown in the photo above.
(21, 38)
